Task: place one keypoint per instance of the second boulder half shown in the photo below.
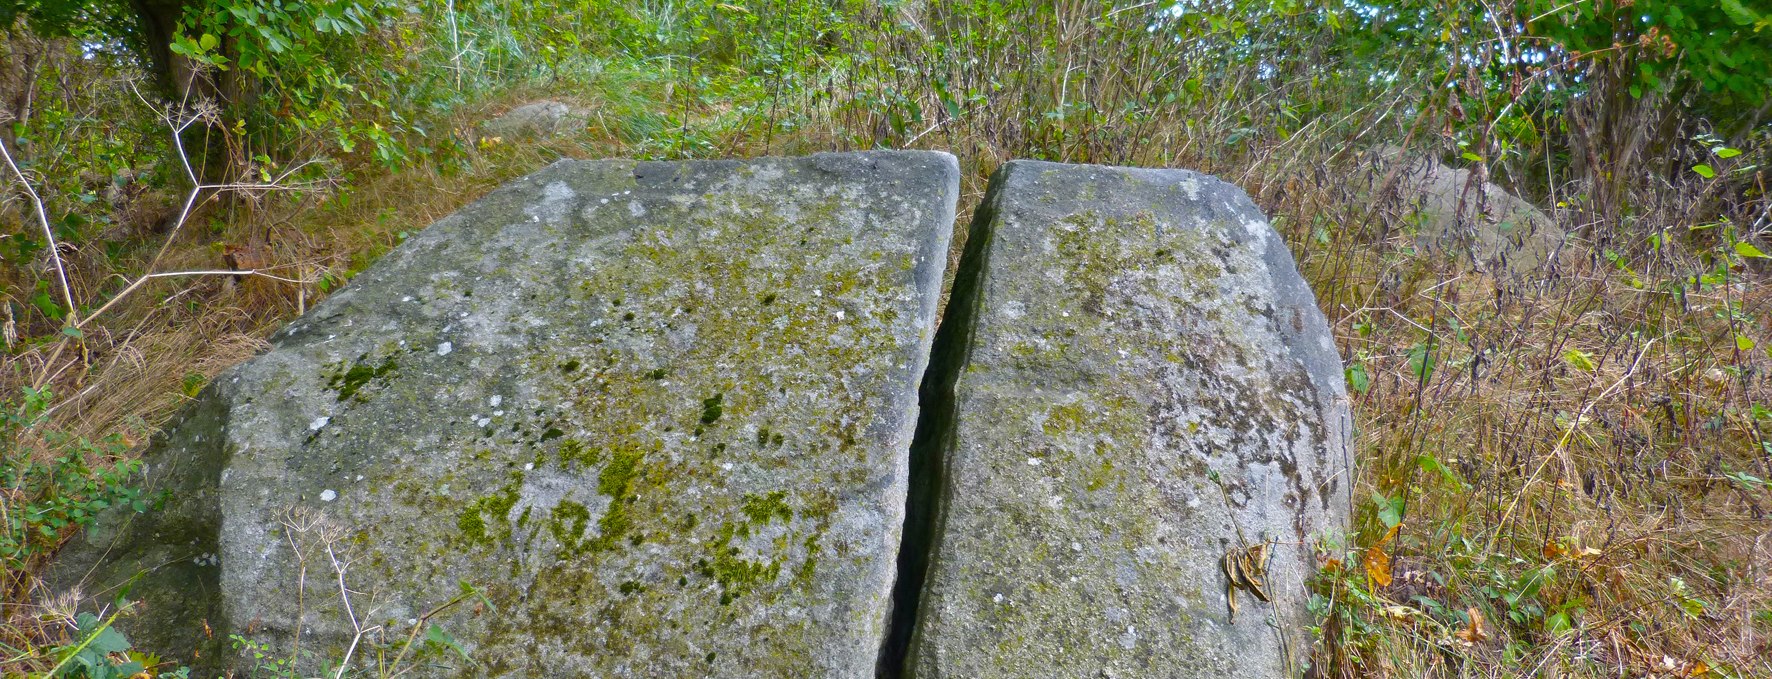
(1134, 414)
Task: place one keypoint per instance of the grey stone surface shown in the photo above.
(535, 119)
(659, 413)
(1478, 222)
(1132, 380)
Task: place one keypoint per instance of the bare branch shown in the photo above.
(55, 254)
(133, 286)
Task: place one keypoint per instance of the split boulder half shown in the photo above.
(659, 414)
(1134, 414)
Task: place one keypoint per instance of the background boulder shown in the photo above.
(1476, 221)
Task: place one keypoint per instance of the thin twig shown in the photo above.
(55, 254)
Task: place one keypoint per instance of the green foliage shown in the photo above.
(100, 651)
(299, 70)
(56, 483)
(1721, 44)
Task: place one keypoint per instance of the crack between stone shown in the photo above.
(926, 495)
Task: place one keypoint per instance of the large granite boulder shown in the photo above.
(1132, 384)
(539, 119)
(1477, 222)
(659, 413)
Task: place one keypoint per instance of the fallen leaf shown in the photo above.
(1474, 631)
(1378, 562)
(1230, 597)
(1698, 669)
(1554, 550)
(1400, 612)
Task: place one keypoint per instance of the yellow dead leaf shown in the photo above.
(1473, 632)
(1554, 550)
(1378, 562)
(1698, 669)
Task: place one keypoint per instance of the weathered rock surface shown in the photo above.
(535, 119)
(1132, 380)
(1476, 221)
(659, 412)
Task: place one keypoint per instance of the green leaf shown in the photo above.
(1467, 155)
(1741, 15)
(1726, 152)
(1748, 481)
(47, 305)
(75, 333)
(109, 641)
(1580, 360)
(1432, 464)
(1747, 249)
(1357, 378)
(1421, 361)
(1390, 510)
(1704, 171)
(208, 42)
(1744, 343)
(1557, 623)
(436, 636)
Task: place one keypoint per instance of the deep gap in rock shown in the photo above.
(935, 432)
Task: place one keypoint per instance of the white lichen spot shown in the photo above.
(1076, 546)
(495, 400)
(484, 421)
(328, 495)
(444, 349)
(636, 209)
(997, 598)
(1257, 229)
(557, 192)
(1192, 187)
(1033, 462)
(318, 423)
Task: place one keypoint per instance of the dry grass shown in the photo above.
(1567, 455)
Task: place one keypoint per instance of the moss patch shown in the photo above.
(348, 379)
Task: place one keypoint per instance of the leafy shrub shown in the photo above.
(54, 483)
(102, 652)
